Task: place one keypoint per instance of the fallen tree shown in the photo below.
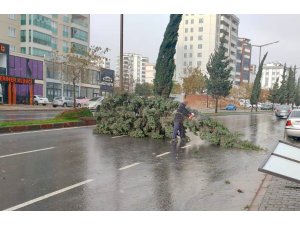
(153, 117)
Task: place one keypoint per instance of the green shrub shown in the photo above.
(75, 113)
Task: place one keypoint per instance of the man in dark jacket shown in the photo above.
(181, 113)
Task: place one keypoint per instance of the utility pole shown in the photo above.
(121, 53)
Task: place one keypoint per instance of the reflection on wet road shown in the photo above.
(26, 115)
(134, 174)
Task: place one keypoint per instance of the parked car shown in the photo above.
(38, 99)
(94, 104)
(230, 107)
(292, 126)
(80, 101)
(62, 101)
(266, 106)
(283, 111)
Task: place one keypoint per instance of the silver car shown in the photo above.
(63, 101)
(283, 111)
(94, 104)
(292, 126)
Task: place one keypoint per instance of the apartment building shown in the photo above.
(199, 36)
(134, 70)
(150, 73)
(272, 71)
(243, 61)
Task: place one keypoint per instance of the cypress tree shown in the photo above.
(297, 93)
(219, 83)
(257, 85)
(274, 93)
(283, 87)
(165, 64)
(291, 86)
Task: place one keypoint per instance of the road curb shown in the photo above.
(260, 193)
(83, 122)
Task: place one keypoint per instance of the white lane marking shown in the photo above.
(29, 132)
(21, 153)
(47, 195)
(186, 146)
(126, 167)
(119, 136)
(166, 153)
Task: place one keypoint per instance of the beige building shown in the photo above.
(41, 34)
(199, 36)
(10, 31)
(150, 73)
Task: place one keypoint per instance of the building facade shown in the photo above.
(134, 70)
(252, 73)
(150, 73)
(243, 61)
(270, 72)
(199, 36)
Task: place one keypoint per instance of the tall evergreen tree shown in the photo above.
(219, 83)
(165, 64)
(283, 87)
(274, 92)
(291, 86)
(257, 85)
(297, 93)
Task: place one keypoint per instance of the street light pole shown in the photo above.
(121, 53)
(260, 46)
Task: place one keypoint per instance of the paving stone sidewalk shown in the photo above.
(281, 195)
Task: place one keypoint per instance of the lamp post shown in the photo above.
(260, 46)
(121, 52)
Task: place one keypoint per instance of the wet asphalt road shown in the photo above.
(26, 115)
(132, 174)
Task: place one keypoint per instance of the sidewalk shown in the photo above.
(276, 194)
(31, 108)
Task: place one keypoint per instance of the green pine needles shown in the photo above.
(153, 117)
(165, 64)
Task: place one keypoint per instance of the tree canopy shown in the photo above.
(194, 82)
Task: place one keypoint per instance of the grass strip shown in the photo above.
(35, 122)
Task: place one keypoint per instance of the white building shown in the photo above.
(272, 71)
(252, 73)
(134, 70)
(199, 36)
(150, 73)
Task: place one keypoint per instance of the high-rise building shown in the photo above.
(243, 61)
(134, 70)
(252, 73)
(150, 73)
(41, 34)
(199, 36)
(270, 72)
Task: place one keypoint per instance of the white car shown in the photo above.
(292, 126)
(63, 101)
(38, 99)
(94, 103)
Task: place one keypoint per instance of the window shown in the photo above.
(199, 54)
(191, 46)
(65, 47)
(190, 63)
(185, 55)
(200, 29)
(54, 16)
(186, 30)
(65, 31)
(199, 46)
(29, 51)
(191, 55)
(186, 22)
(198, 63)
(66, 19)
(185, 47)
(184, 63)
(11, 32)
(79, 49)
(54, 42)
(23, 19)
(23, 50)
(192, 30)
(29, 35)
(42, 38)
(200, 38)
(185, 38)
(191, 38)
(12, 16)
(42, 21)
(54, 27)
(40, 52)
(23, 35)
(79, 34)
(12, 48)
(192, 21)
(273, 73)
(201, 20)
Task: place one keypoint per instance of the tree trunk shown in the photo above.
(251, 107)
(216, 109)
(74, 95)
(256, 108)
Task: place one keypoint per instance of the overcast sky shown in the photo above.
(143, 34)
